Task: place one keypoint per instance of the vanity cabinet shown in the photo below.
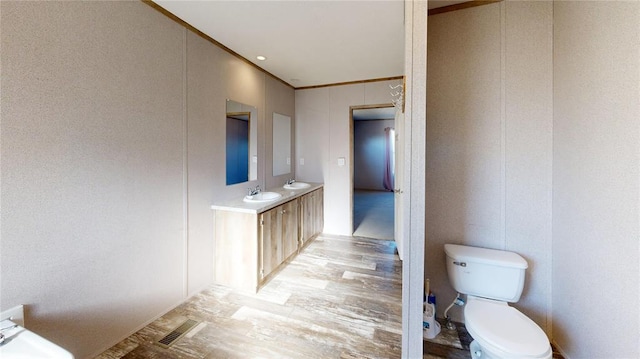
(253, 242)
(311, 215)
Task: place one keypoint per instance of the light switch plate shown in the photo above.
(301, 161)
(341, 161)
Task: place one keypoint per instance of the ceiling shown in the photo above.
(307, 43)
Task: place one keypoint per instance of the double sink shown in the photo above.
(264, 197)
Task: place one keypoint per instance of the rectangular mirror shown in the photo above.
(281, 144)
(241, 146)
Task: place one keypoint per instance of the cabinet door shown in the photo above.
(318, 211)
(306, 218)
(289, 230)
(271, 247)
(312, 216)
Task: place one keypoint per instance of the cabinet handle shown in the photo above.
(283, 211)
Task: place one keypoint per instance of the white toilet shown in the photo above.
(491, 278)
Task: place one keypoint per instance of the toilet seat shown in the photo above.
(505, 331)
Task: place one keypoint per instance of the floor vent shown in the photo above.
(177, 333)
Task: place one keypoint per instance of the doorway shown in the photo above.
(373, 170)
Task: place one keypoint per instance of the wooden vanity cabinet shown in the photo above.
(251, 247)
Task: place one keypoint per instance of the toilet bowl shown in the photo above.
(502, 332)
(491, 279)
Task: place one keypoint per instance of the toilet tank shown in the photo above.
(487, 273)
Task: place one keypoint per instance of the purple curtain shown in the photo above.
(387, 180)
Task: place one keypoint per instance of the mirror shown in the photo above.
(241, 146)
(281, 144)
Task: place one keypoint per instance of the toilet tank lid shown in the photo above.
(485, 255)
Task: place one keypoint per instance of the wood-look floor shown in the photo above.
(339, 298)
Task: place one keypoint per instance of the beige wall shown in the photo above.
(489, 125)
(322, 130)
(112, 140)
(596, 179)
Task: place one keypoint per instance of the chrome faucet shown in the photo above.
(2, 337)
(254, 191)
(290, 181)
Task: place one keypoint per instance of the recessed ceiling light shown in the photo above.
(261, 58)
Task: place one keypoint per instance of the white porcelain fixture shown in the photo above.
(21, 343)
(491, 278)
(262, 197)
(297, 185)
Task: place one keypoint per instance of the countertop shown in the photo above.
(238, 205)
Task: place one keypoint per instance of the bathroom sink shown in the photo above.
(262, 197)
(20, 343)
(297, 185)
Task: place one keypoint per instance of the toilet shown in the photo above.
(491, 279)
